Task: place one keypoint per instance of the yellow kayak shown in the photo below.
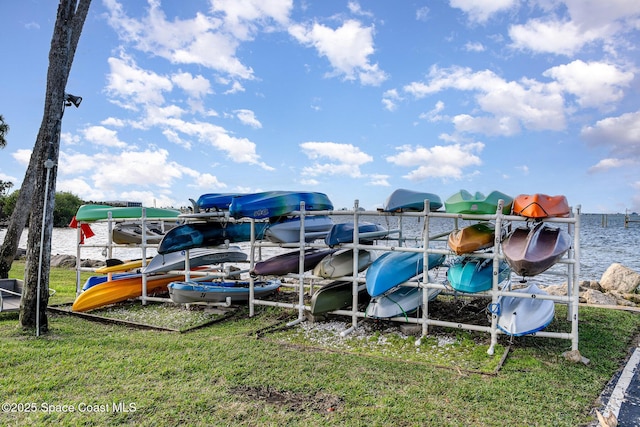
(125, 266)
(114, 291)
(472, 238)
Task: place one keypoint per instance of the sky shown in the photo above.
(354, 99)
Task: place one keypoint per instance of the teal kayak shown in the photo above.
(464, 202)
(403, 200)
(475, 274)
(97, 212)
(204, 234)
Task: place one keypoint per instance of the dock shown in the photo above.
(628, 219)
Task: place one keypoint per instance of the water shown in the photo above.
(599, 246)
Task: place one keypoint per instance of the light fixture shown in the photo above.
(72, 100)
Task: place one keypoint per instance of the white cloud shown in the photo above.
(239, 150)
(620, 134)
(509, 104)
(248, 117)
(100, 135)
(434, 114)
(612, 163)
(595, 84)
(133, 85)
(573, 24)
(551, 36)
(422, 13)
(344, 159)
(244, 18)
(481, 10)
(390, 98)
(347, 48)
(474, 47)
(196, 86)
(440, 161)
(200, 40)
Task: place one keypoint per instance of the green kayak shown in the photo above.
(98, 212)
(464, 202)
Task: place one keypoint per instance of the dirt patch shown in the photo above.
(291, 401)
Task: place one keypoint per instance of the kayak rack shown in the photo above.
(431, 243)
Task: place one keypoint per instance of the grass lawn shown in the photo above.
(223, 375)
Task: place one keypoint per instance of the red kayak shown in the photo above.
(541, 206)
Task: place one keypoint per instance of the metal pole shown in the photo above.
(48, 164)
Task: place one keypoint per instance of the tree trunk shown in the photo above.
(40, 179)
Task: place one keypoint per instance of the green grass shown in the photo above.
(223, 375)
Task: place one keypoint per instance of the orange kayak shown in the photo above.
(118, 290)
(541, 206)
(472, 238)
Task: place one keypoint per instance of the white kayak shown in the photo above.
(340, 264)
(524, 315)
(197, 257)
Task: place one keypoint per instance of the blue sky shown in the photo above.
(351, 98)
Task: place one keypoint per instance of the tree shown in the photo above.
(67, 205)
(4, 130)
(38, 186)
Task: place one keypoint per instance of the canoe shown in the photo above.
(343, 233)
(473, 275)
(541, 206)
(394, 268)
(97, 212)
(472, 238)
(126, 233)
(197, 257)
(464, 202)
(525, 315)
(289, 262)
(271, 204)
(336, 295)
(119, 267)
(531, 251)
(288, 230)
(402, 200)
(190, 292)
(216, 201)
(203, 234)
(340, 264)
(113, 291)
(398, 302)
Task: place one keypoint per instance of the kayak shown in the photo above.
(271, 204)
(98, 212)
(531, 251)
(464, 202)
(393, 268)
(472, 238)
(541, 206)
(402, 200)
(475, 274)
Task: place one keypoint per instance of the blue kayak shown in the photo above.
(272, 204)
(204, 234)
(96, 280)
(216, 201)
(475, 274)
(343, 233)
(394, 268)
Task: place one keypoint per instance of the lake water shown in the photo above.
(600, 246)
